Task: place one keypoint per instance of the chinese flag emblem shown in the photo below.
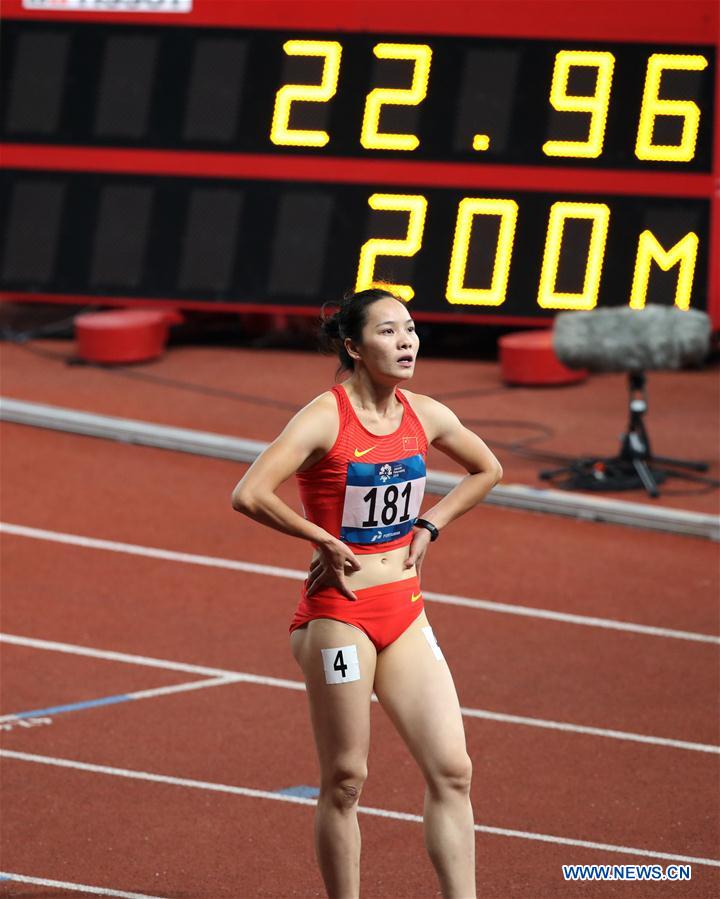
(410, 443)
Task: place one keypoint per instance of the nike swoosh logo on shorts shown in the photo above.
(414, 598)
(359, 453)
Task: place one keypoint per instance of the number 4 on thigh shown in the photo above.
(341, 664)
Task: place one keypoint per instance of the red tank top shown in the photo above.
(367, 489)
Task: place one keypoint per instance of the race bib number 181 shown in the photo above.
(382, 500)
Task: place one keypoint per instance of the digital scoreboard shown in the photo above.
(494, 161)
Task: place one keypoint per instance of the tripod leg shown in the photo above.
(681, 463)
(546, 474)
(646, 477)
(686, 476)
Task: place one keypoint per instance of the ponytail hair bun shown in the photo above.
(330, 324)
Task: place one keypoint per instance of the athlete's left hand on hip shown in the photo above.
(421, 538)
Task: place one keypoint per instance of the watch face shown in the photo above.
(427, 526)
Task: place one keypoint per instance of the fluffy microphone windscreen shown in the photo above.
(632, 339)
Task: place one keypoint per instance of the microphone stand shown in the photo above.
(634, 467)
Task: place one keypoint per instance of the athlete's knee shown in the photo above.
(452, 775)
(344, 785)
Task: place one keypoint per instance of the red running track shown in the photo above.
(198, 836)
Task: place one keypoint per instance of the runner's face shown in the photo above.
(390, 343)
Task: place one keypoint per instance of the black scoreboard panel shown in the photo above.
(485, 178)
(481, 100)
(510, 253)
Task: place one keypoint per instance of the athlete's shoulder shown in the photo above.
(414, 398)
(424, 402)
(434, 416)
(326, 398)
(321, 409)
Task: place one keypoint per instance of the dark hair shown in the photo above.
(348, 321)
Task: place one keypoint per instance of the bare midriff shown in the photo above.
(378, 568)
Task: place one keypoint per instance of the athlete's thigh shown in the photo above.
(415, 687)
(338, 661)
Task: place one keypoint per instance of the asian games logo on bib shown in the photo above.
(385, 472)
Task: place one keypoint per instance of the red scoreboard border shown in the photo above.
(669, 21)
(666, 21)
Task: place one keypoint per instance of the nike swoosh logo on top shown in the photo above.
(414, 598)
(359, 453)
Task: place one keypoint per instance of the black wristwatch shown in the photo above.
(428, 525)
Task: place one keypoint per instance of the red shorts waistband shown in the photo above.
(364, 592)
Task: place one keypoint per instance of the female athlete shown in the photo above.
(358, 452)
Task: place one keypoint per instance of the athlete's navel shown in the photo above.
(383, 560)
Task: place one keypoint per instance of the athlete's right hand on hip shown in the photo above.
(329, 569)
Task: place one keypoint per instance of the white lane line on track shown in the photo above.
(300, 800)
(569, 618)
(150, 552)
(590, 731)
(295, 574)
(184, 688)
(152, 693)
(147, 661)
(65, 885)
(241, 677)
